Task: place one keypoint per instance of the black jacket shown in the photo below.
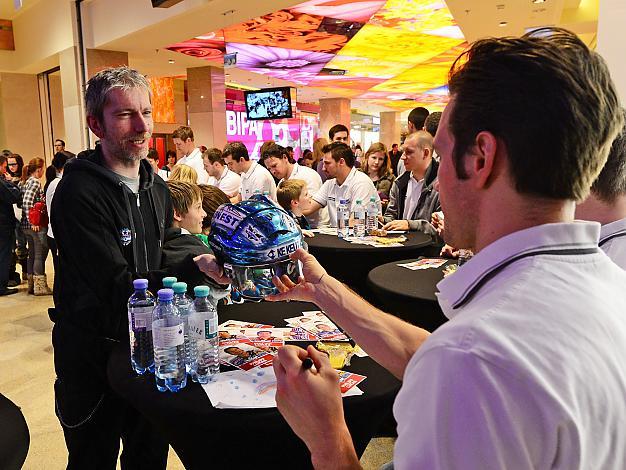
(9, 194)
(427, 204)
(177, 246)
(107, 236)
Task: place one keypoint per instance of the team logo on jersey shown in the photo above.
(126, 236)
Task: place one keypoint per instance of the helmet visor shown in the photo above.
(255, 282)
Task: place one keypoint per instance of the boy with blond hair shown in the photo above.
(293, 196)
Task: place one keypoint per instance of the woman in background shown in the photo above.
(35, 235)
(377, 165)
(53, 175)
(318, 157)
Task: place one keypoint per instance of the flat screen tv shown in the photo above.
(269, 103)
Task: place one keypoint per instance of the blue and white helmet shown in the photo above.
(253, 240)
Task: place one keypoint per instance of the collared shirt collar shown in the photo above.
(349, 177)
(248, 173)
(224, 173)
(566, 238)
(612, 230)
(294, 171)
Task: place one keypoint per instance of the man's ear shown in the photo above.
(177, 216)
(482, 163)
(294, 203)
(95, 126)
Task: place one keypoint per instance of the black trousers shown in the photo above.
(94, 419)
(7, 243)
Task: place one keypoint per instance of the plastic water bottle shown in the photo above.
(168, 282)
(343, 219)
(203, 328)
(168, 334)
(359, 219)
(182, 302)
(371, 216)
(140, 307)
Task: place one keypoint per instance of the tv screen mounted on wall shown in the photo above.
(269, 103)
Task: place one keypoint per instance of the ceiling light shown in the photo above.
(171, 61)
(502, 24)
(539, 1)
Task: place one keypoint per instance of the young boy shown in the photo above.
(293, 196)
(180, 239)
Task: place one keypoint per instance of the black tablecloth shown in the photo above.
(350, 262)
(205, 437)
(408, 294)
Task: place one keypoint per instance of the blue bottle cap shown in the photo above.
(169, 281)
(166, 294)
(201, 291)
(179, 287)
(140, 283)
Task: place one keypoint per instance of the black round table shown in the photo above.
(206, 437)
(408, 294)
(14, 435)
(350, 262)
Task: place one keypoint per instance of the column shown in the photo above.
(390, 128)
(612, 17)
(333, 111)
(206, 94)
(76, 130)
(20, 115)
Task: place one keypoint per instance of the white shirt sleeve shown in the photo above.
(231, 184)
(321, 196)
(458, 411)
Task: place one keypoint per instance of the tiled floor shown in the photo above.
(27, 376)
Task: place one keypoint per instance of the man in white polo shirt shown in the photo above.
(191, 155)
(345, 182)
(220, 175)
(254, 177)
(607, 202)
(529, 373)
(278, 163)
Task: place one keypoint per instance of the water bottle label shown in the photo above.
(140, 317)
(210, 328)
(168, 336)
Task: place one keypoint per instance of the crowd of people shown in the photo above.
(536, 317)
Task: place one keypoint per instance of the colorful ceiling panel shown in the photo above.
(396, 52)
(289, 64)
(293, 30)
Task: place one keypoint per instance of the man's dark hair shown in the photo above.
(3, 159)
(170, 153)
(236, 150)
(183, 133)
(60, 140)
(432, 123)
(59, 160)
(153, 155)
(417, 116)
(337, 128)
(214, 155)
(339, 150)
(611, 182)
(548, 100)
(393, 146)
(275, 150)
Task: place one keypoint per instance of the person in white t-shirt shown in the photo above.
(278, 162)
(607, 202)
(345, 182)
(254, 177)
(191, 155)
(529, 372)
(220, 175)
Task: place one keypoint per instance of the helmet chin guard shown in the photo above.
(253, 240)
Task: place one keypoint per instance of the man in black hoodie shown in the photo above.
(109, 216)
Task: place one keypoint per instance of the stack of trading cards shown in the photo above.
(317, 324)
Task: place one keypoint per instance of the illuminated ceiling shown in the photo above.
(395, 53)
